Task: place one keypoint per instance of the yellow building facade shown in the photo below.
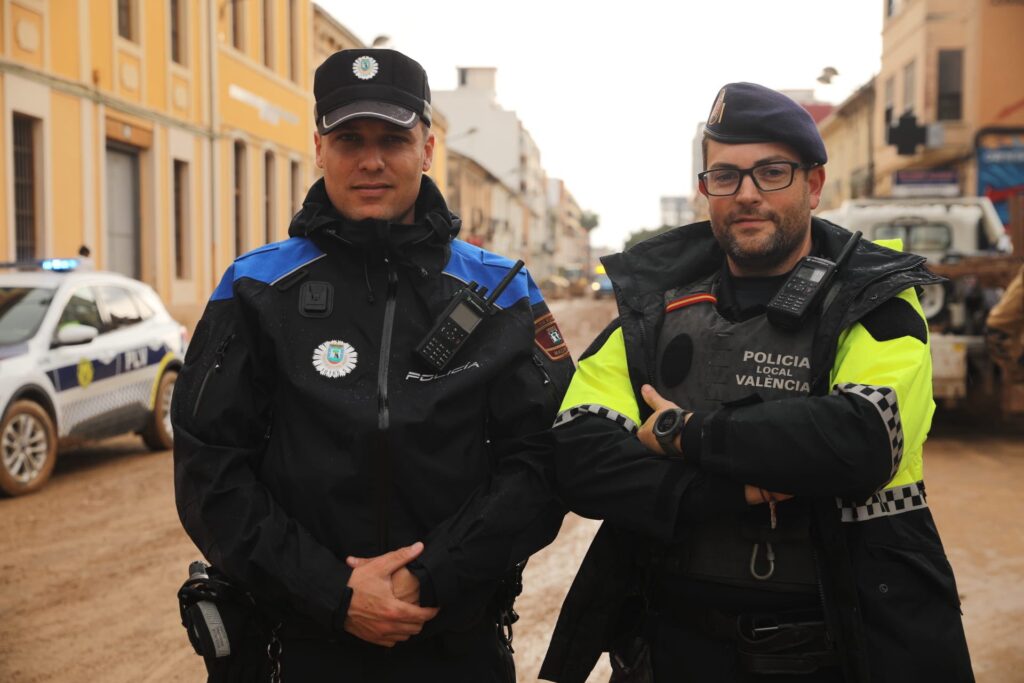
(958, 67)
(167, 136)
(847, 133)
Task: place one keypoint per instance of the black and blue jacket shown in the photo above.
(307, 430)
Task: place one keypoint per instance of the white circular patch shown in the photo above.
(335, 358)
(365, 67)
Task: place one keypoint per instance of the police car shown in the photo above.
(83, 355)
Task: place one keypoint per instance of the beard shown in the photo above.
(770, 251)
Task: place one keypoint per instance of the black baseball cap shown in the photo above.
(747, 112)
(374, 83)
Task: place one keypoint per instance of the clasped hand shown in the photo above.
(385, 598)
(753, 494)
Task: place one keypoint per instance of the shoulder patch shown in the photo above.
(894, 319)
(548, 337)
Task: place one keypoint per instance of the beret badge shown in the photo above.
(718, 110)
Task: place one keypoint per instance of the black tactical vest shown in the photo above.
(703, 362)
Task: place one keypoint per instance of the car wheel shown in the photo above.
(28, 448)
(158, 434)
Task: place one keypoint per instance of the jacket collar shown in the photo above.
(433, 225)
(685, 254)
(872, 275)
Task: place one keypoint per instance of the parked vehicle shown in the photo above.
(965, 241)
(601, 284)
(83, 355)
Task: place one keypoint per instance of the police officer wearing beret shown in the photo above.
(759, 472)
(324, 466)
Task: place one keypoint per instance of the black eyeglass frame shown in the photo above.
(793, 165)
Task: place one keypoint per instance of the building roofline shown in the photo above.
(338, 25)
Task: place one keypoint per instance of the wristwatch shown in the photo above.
(667, 427)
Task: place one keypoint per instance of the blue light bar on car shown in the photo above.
(58, 265)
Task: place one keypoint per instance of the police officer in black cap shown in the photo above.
(751, 429)
(326, 467)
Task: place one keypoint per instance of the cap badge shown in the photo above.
(717, 111)
(365, 67)
(335, 358)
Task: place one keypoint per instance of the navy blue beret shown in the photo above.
(747, 112)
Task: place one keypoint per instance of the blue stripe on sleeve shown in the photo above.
(267, 264)
(473, 264)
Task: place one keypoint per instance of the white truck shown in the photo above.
(964, 240)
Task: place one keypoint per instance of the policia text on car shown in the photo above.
(315, 449)
(770, 522)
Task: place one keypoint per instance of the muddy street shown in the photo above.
(89, 566)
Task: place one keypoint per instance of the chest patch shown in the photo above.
(766, 370)
(706, 360)
(335, 358)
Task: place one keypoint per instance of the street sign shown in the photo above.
(906, 135)
(926, 182)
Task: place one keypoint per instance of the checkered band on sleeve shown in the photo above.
(892, 501)
(571, 414)
(884, 401)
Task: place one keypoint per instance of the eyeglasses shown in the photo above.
(769, 177)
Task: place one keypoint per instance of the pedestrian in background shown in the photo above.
(1005, 329)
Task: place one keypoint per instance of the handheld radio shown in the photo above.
(458, 320)
(804, 288)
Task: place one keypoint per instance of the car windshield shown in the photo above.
(917, 237)
(21, 312)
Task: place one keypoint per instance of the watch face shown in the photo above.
(666, 421)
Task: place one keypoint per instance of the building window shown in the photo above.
(240, 196)
(890, 100)
(293, 59)
(909, 78)
(951, 63)
(178, 31)
(297, 188)
(182, 251)
(26, 200)
(268, 33)
(268, 201)
(237, 24)
(126, 19)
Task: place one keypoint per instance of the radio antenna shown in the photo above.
(504, 282)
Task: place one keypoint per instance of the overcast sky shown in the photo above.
(613, 96)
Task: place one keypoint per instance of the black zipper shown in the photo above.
(648, 354)
(540, 366)
(218, 357)
(818, 568)
(383, 417)
(383, 411)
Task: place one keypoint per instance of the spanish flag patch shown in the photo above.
(689, 300)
